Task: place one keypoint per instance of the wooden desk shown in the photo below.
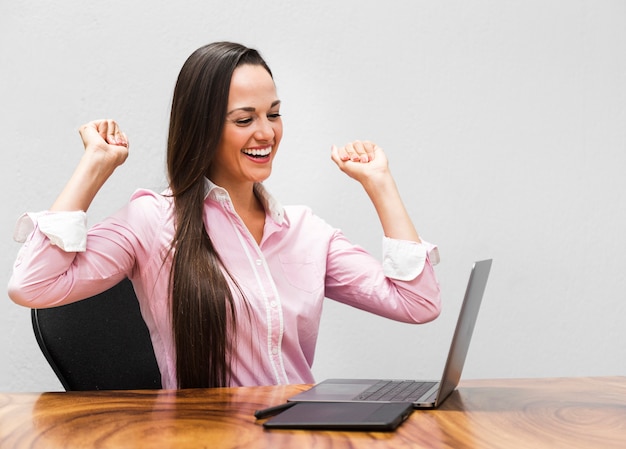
(533, 413)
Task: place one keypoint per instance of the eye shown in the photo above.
(274, 116)
(243, 121)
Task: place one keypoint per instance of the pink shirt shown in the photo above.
(300, 261)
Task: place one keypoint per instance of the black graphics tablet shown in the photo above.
(363, 416)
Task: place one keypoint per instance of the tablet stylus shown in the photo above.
(271, 411)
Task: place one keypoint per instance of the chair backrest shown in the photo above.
(99, 343)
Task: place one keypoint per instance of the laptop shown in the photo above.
(422, 394)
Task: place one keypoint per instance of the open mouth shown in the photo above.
(257, 152)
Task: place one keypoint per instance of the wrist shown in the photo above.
(379, 183)
(82, 187)
(95, 167)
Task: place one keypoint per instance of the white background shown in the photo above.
(504, 123)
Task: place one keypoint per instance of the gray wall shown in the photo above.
(504, 122)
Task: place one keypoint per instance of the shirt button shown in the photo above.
(259, 262)
(273, 304)
(274, 350)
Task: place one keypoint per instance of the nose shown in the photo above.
(264, 131)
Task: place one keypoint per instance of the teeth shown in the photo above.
(261, 152)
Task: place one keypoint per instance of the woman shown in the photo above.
(229, 282)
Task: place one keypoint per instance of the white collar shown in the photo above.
(270, 203)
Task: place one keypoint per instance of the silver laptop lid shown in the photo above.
(464, 329)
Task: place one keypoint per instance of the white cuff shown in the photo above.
(67, 230)
(404, 260)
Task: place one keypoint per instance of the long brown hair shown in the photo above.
(202, 304)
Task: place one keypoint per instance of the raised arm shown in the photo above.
(106, 147)
(366, 163)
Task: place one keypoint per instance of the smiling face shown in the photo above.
(252, 130)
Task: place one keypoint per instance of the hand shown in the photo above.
(103, 138)
(366, 162)
(106, 147)
(361, 161)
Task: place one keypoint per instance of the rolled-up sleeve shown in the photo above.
(403, 287)
(67, 230)
(404, 260)
(62, 261)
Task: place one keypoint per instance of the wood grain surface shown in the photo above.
(506, 413)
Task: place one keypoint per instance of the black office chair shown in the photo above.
(99, 343)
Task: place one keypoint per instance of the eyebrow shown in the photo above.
(251, 109)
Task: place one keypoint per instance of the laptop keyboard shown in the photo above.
(396, 390)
